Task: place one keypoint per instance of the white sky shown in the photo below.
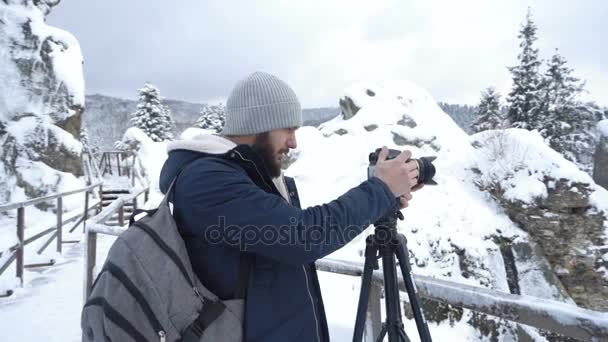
(197, 51)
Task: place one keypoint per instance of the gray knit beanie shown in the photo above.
(261, 103)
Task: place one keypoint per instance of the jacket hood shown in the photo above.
(206, 143)
(182, 152)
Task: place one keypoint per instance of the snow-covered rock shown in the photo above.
(41, 101)
(559, 205)
(456, 230)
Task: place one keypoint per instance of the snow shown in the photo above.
(67, 63)
(446, 225)
(191, 132)
(152, 155)
(66, 59)
(66, 55)
(519, 160)
(48, 308)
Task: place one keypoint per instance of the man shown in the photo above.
(235, 200)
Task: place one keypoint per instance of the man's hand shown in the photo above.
(400, 176)
(404, 200)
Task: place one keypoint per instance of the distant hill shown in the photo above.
(107, 118)
(463, 115)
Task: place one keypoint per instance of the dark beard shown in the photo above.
(264, 150)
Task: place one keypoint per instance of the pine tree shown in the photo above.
(561, 91)
(569, 124)
(524, 98)
(168, 123)
(489, 113)
(212, 117)
(84, 140)
(152, 116)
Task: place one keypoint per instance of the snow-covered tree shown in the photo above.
(152, 116)
(569, 124)
(524, 98)
(488, 113)
(86, 143)
(212, 117)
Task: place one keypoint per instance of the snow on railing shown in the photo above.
(96, 225)
(562, 318)
(16, 254)
(565, 319)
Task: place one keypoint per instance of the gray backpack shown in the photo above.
(147, 290)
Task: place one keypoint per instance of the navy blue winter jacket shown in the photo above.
(227, 203)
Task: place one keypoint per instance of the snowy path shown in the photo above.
(48, 308)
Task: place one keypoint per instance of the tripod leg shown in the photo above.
(394, 323)
(366, 280)
(382, 333)
(404, 264)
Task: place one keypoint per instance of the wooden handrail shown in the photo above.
(11, 206)
(17, 250)
(95, 225)
(553, 316)
(566, 319)
(108, 211)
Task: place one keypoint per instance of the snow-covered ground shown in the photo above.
(48, 307)
(441, 222)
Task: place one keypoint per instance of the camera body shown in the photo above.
(426, 169)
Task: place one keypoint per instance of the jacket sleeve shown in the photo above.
(223, 206)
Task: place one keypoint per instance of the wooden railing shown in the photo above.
(91, 168)
(17, 251)
(552, 316)
(96, 225)
(116, 163)
(558, 317)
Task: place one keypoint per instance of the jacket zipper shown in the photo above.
(314, 310)
(135, 293)
(171, 255)
(312, 302)
(256, 168)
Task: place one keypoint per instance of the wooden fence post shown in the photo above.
(100, 207)
(373, 322)
(59, 223)
(121, 215)
(90, 261)
(118, 164)
(101, 163)
(86, 211)
(20, 237)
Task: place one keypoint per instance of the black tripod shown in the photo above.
(387, 243)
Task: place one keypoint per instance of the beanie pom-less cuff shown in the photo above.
(261, 103)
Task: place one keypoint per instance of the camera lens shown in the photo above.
(426, 170)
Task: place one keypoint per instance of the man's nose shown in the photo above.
(292, 142)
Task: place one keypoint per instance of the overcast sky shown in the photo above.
(196, 50)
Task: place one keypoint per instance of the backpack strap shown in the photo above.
(212, 309)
